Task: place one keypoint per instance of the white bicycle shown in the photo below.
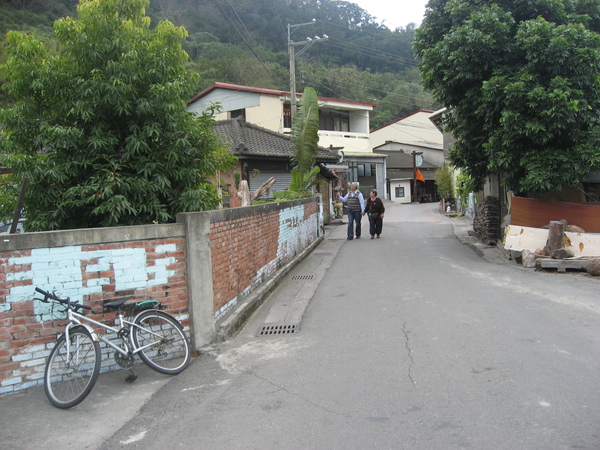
(74, 363)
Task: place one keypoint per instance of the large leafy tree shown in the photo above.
(102, 129)
(520, 79)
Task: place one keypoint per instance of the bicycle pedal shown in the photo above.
(130, 378)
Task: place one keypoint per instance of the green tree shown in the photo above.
(444, 182)
(521, 83)
(305, 141)
(101, 129)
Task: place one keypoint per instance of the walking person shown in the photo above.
(375, 210)
(356, 209)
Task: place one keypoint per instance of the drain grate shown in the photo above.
(277, 328)
(302, 277)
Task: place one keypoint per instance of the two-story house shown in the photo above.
(344, 125)
(399, 140)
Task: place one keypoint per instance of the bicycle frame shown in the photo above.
(76, 319)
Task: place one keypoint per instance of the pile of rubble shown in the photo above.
(566, 247)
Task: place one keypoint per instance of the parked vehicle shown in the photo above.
(5, 226)
(74, 362)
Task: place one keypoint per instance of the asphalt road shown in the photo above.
(411, 341)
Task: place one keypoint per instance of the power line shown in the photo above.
(241, 35)
(242, 22)
(372, 53)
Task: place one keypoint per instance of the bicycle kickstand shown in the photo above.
(131, 377)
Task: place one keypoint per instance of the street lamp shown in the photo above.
(291, 50)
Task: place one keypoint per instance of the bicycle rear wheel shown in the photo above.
(166, 348)
(71, 375)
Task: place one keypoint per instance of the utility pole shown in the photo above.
(292, 52)
(414, 193)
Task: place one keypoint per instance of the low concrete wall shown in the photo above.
(201, 268)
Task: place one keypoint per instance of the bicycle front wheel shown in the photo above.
(71, 373)
(163, 344)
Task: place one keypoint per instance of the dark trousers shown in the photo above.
(375, 225)
(354, 216)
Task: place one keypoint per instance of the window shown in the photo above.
(366, 170)
(333, 120)
(287, 115)
(399, 192)
(352, 171)
(237, 113)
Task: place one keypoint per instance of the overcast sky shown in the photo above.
(395, 13)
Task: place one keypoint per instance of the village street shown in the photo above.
(411, 341)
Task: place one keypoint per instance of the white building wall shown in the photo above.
(400, 183)
(266, 111)
(416, 129)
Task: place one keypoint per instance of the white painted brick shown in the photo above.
(42, 354)
(21, 292)
(43, 277)
(30, 384)
(33, 362)
(22, 357)
(164, 261)
(70, 273)
(140, 276)
(98, 282)
(20, 260)
(97, 267)
(11, 381)
(60, 264)
(75, 284)
(123, 264)
(35, 348)
(35, 376)
(123, 278)
(40, 251)
(65, 250)
(7, 389)
(18, 276)
(165, 248)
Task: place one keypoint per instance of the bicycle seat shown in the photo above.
(115, 304)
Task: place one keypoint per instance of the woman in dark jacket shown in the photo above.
(375, 209)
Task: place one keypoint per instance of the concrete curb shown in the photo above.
(233, 323)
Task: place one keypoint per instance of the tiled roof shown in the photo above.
(402, 118)
(237, 87)
(244, 139)
(399, 160)
(409, 174)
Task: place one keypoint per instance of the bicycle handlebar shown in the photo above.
(65, 301)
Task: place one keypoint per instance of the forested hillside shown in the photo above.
(245, 42)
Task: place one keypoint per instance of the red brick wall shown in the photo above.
(239, 248)
(26, 333)
(247, 250)
(247, 246)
